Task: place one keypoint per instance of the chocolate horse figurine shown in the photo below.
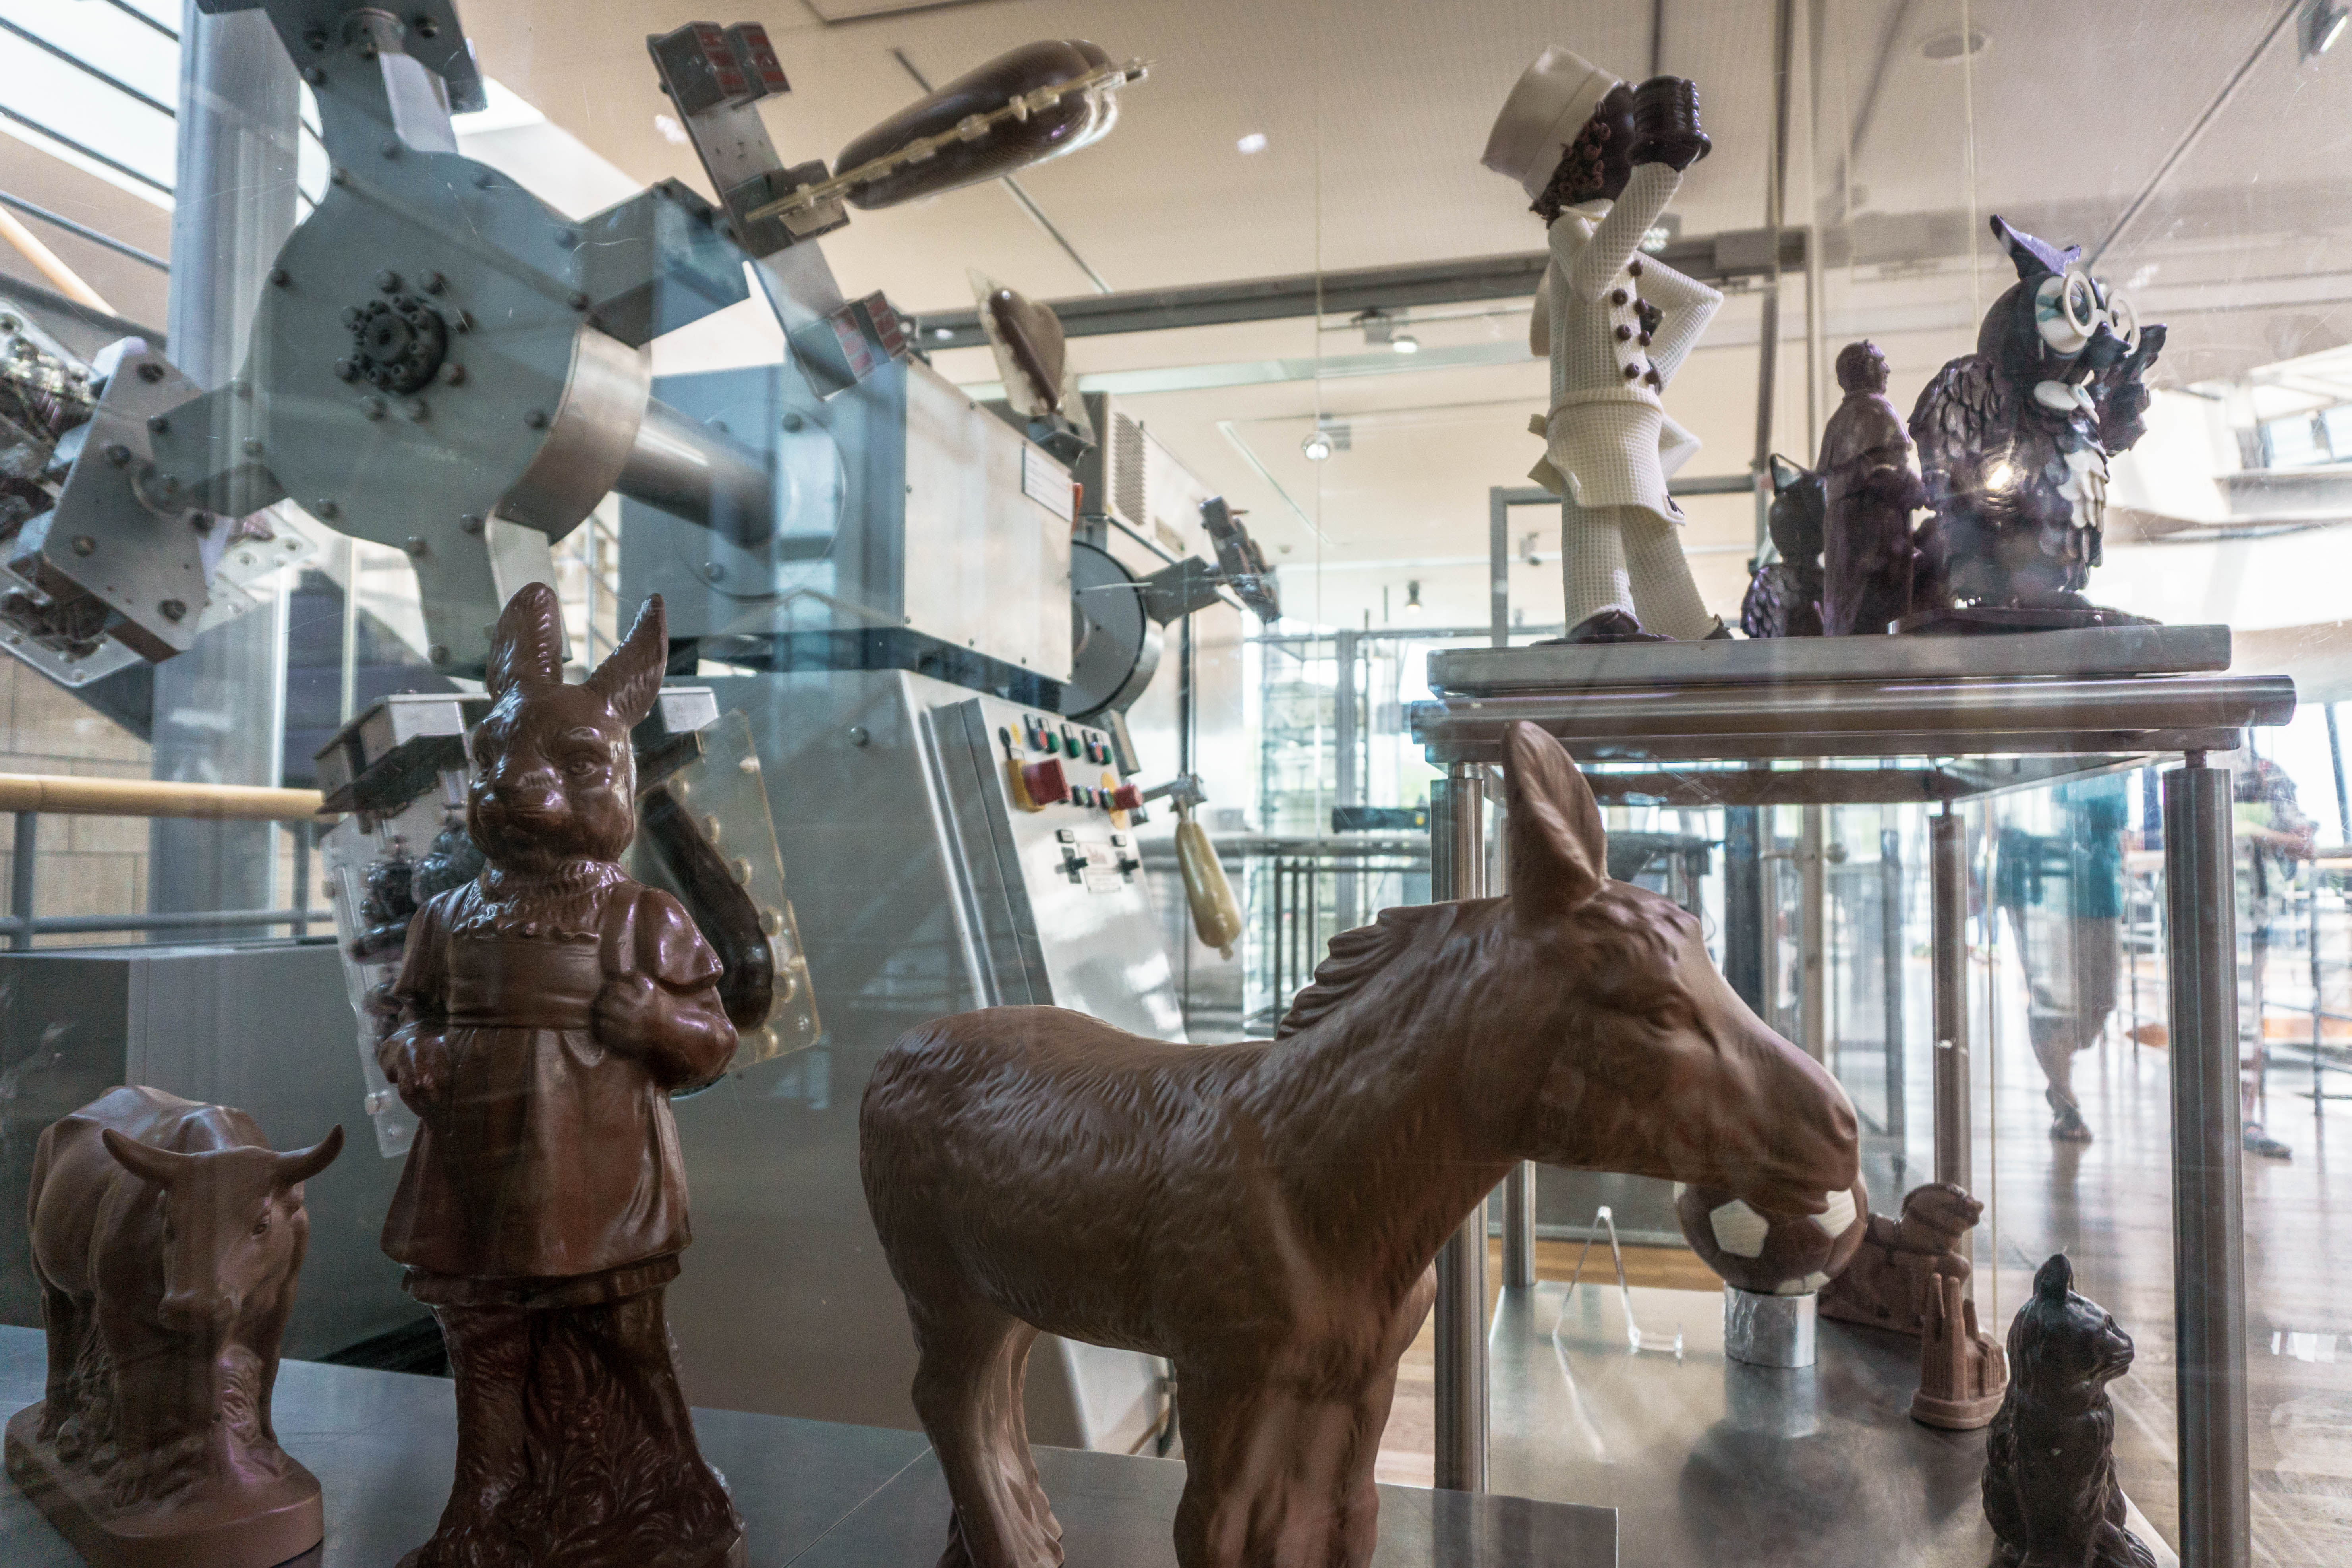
(549, 1008)
(167, 1240)
(1266, 1213)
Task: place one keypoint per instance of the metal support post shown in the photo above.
(21, 875)
(1890, 959)
(1813, 932)
(1347, 778)
(220, 707)
(1743, 905)
(2208, 1219)
(1457, 869)
(1949, 869)
(1520, 1226)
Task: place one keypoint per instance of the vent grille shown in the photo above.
(1127, 470)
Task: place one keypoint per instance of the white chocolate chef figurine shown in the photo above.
(1601, 160)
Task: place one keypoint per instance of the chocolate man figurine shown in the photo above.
(1871, 474)
(549, 1008)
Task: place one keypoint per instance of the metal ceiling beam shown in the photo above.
(1711, 258)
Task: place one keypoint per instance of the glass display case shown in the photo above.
(1056, 432)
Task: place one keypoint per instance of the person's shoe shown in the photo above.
(1613, 626)
(2258, 1141)
(2069, 1127)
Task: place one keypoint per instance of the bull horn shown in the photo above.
(293, 1169)
(144, 1160)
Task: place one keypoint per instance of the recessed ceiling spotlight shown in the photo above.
(1947, 47)
(1253, 142)
(2319, 28)
(1406, 343)
(1413, 598)
(1315, 447)
(942, 332)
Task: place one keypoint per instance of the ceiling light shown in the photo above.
(1316, 446)
(1413, 598)
(1253, 142)
(942, 332)
(1947, 47)
(2319, 26)
(1406, 343)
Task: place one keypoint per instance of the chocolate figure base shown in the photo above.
(1981, 620)
(574, 1449)
(258, 1527)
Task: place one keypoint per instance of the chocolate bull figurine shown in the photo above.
(1266, 1215)
(166, 1240)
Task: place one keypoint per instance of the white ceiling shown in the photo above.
(1374, 112)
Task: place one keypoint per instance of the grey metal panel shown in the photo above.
(786, 1304)
(237, 1024)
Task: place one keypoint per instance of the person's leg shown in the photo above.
(2254, 1062)
(1665, 599)
(1592, 562)
(2050, 1027)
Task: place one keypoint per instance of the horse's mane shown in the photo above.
(1355, 958)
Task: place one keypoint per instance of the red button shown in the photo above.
(1045, 782)
(1127, 797)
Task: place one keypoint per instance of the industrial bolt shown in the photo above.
(314, 76)
(576, 300)
(433, 282)
(536, 419)
(388, 280)
(118, 454)
(455, 374)
(253, 446)
(324, 507)
(372, 407)
(279, 276)
(567, 238)
(389, 147)
(472, 522)
(427, 28)
(353, 315)
(438, 653)
(173, 610)
(415, 408)
(346, 371)
(485, 180)
(150, 373)
(713, 571)
(336, 176)
(83, 544)
(794, 422)
(316, 39)
(159, 423)
(416, 547)
(857, 736)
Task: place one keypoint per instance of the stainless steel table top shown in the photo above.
(384, 1446)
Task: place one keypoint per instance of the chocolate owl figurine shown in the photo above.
(547, 1007)
(2015, 441)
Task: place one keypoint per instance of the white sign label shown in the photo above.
(1047, 483)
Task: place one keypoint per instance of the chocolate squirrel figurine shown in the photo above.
(549, 1007)
(1893, 1276)
(2050, 1487)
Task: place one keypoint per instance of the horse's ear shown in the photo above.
(528, 644)
(1559, 851)
(630, 676)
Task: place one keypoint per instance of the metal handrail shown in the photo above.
(76, 797)
(193, 920)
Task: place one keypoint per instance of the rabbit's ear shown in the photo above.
(631, 677)
(527, 646)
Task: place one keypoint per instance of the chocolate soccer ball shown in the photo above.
(1773, 1255)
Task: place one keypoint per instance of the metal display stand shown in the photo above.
(1863, 719)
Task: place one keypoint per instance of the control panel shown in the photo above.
(1054, 876)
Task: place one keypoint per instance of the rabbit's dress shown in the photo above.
(547, 1172)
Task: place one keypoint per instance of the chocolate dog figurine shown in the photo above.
(549, 1006)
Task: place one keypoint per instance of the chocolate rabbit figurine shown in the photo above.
(548, 1009)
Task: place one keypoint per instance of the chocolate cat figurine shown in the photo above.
(2049, 1471)
(549, 1008)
